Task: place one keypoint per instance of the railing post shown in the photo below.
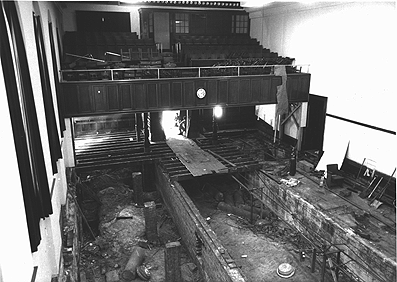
(238, 70)
(199, 72)
(158, 73)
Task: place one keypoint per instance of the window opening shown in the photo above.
(240, 23)
(181, 23)
(21, 103)
(52, 131)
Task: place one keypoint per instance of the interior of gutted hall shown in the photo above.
(241, 194)
(209, 141)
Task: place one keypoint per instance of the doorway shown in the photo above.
(162, 29)
(170, 122)
(313, 136)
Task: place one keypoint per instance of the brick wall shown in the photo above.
(315, 224)
(214, 260)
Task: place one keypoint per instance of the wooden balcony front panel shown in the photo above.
(107, 97)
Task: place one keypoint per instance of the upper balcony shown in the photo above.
(127, 90)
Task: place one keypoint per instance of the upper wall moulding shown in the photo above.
(193, 4)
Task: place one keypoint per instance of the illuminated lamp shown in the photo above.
(218, 111)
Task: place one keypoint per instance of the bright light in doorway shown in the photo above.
(169, 122)
(218, 111)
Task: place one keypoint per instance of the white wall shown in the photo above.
(351, 51)
(15, 256)
(69, 14)
(16, 259)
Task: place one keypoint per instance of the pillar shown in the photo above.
(146, 132)
(137, 187)
(138, 126)
(172, 262)
(151, 222)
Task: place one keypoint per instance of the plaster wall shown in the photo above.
(15, 256)
(343, 43)
(16, 260)
(69, 14)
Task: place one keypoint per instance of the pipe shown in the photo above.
(87, 58)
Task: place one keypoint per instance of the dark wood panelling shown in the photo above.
(223, 91)
(113, 97)
(245, 90)
(139, 97)
(256, 89)
(152, 95)
(125, 94)
(83, 99)
(297, 85)
(165, 95)
(176, 94)
(190, 93)
(99, 97)
(212, 92)
(233, 91)
(70, 98)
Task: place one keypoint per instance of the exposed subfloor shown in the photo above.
(258, 249)
(121, 227)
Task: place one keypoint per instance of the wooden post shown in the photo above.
(146, 131)
(138, 127)
(214, 130)
(172, 262)
(281, 126)
(137, 186)
(275, 128)
(150, 215)
(324, 264)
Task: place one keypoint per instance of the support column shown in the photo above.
(151, 222)
(138, 126)
(137, 187)
(68, 148)
(146, 131)
(214, 130)
(172, 262)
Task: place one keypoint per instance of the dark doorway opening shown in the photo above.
(313, 136)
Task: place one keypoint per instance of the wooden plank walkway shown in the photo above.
(196, 160)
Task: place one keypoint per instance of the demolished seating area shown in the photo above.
(97, 44)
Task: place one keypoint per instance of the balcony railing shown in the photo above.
(127, 74)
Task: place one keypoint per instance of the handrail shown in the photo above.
(179, 72)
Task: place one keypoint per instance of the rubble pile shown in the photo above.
(107, 256)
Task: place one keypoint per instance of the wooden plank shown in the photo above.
(197, 161)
